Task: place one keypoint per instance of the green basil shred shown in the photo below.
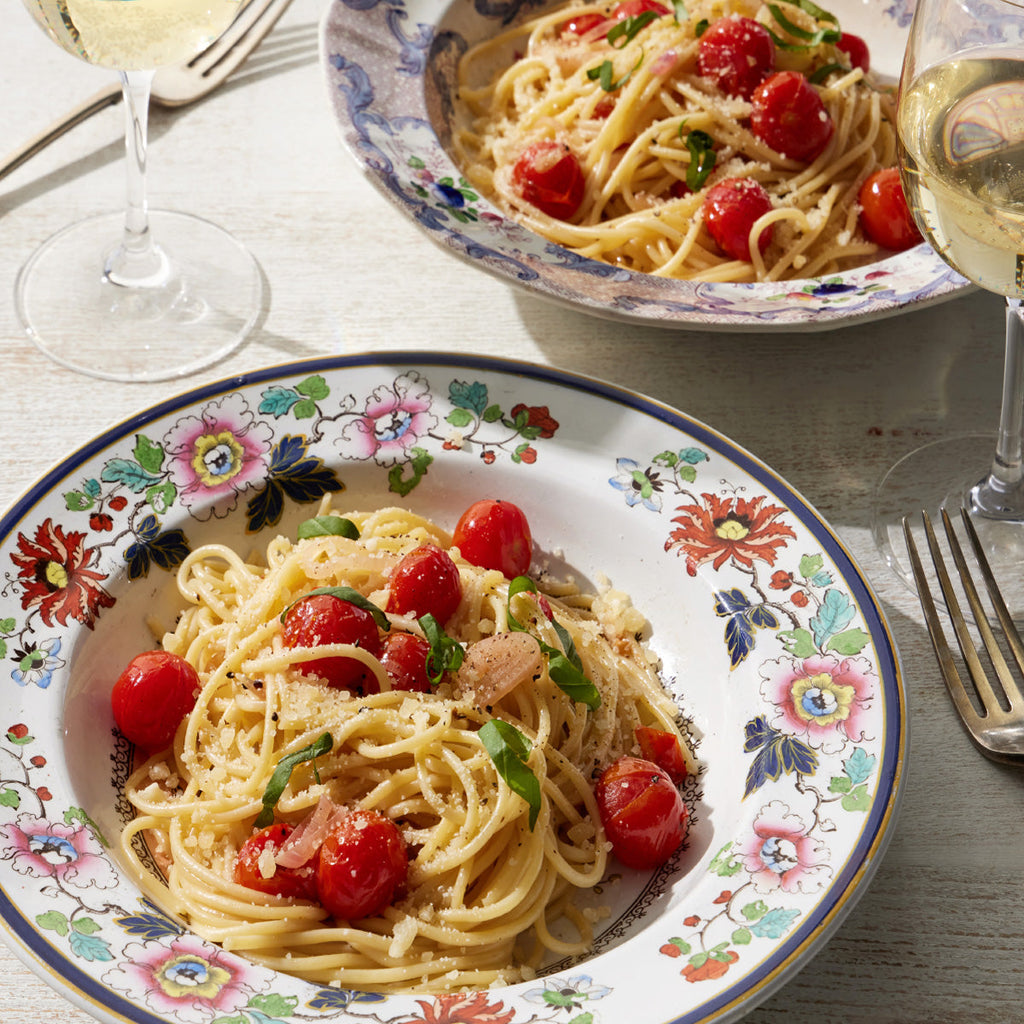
(810, 39)
(509, 749)
(702, 158)
(445, 655)
(283, 773)
(628, 28)
(564, 666)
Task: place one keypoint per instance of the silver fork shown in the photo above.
(998, 727)
(175, 85)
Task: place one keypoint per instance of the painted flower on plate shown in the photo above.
(823, 699)
(572, 992)
(217, 455)
(463, 1008)
(51, 849)
(780, 854)
(37, 663)
(54, 573)
(721, 529)
(186, 980)
(393, 421)
(639, 486)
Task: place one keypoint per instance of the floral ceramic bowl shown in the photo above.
(389, 66)
(770, 640)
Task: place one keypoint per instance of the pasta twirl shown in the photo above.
(630, 128)
(480, 878)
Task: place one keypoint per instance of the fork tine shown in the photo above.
(226, 45)
(947, 666)
(1013, 638)
(985, 691)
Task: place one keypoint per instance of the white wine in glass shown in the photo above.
(137, 294)
(961, 133)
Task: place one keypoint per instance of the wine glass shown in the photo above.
(137, 295)
(960, 122)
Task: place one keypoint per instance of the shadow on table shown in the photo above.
(288, 48)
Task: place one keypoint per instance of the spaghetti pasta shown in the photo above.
(480, 877)
(632, 107)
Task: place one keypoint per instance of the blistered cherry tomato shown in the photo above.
(736, 53)
(326, 619)
(151, 696)
(663, 749)
(426, 581)
(362, 867)
(788, 115)
(495, 534)
(404, 658)
(299, 883)
(642, 812)
(548, 175)
(730, 210)
(856, 49)
(884, 213)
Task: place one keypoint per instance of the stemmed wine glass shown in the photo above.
(960, 119)
(139, 294)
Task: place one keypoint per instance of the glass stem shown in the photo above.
(1001, 494)
(137, 262)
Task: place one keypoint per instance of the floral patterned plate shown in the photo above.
(770, 640)
(390, 67)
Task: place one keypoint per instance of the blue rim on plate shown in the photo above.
(389, 67)
(769, 636)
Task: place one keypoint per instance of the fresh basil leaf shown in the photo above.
(811, 8)
(283, 773)
(350, 595)
(565, 666)
(702, 159)
(328, 526)
(628, 28)
(701, 27)
(445, 655)
(509, 749)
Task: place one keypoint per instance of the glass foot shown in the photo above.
(939, 475)
(199, 303)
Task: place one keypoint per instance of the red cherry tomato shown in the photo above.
(581, 24)
(884, 213)
(404, 658)
(326, 619)
(495, 534)
(730, 210)
(789, 116)
(362, 866)
(548, 175)
(642, 812)
(426, 581)
(856, 49)
(664, 750)
(151, 697)
(736, 53)
(299, 883)
(634, 8)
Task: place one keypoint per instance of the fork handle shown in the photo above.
(106, 97)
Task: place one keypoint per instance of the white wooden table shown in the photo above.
(939, 935)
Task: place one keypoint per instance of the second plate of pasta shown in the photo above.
(571, 149)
